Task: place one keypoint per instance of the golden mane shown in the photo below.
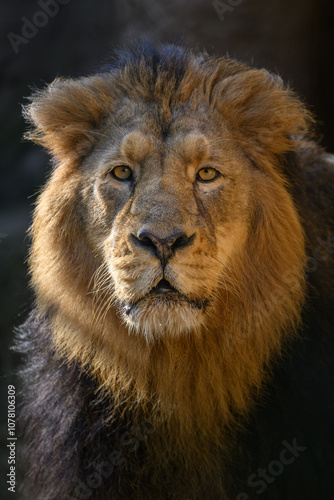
(197, 385)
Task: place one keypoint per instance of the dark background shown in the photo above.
(291, 37)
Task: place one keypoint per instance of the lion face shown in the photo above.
(167, 217)
(168, 213)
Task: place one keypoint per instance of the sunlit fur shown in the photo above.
(200, 366)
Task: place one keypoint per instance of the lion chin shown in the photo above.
(164, 311)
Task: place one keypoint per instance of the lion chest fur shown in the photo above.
(167, 260)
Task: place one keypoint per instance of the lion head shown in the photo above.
(167, 250)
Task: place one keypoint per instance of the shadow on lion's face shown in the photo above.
(171, 217)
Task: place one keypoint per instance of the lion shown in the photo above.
(177, 302)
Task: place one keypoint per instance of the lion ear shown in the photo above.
(267, 117)
(64, 115)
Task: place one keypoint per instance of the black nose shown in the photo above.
(164, 248)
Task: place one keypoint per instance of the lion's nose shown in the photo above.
(164, 248)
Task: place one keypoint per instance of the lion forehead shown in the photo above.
(136, 145)
(191, 146)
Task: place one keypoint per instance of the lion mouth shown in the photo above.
(164, 292)
(164, 288)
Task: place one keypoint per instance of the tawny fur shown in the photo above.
(201, 380)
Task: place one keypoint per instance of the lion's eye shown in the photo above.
(207, 174)
(122, 173)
